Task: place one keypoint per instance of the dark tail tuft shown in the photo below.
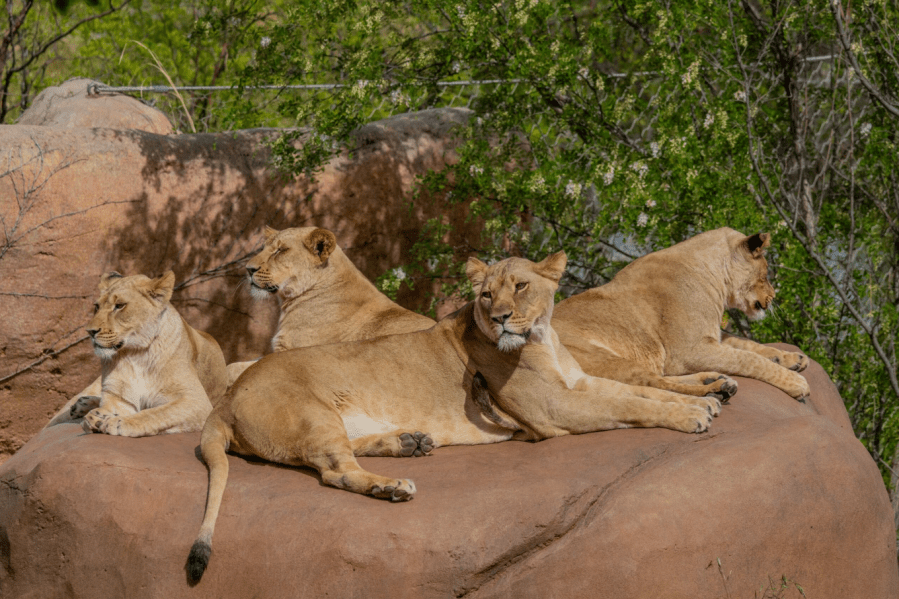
(197, 561)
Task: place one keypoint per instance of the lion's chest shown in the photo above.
(136, 387)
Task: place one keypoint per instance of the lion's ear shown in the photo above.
(321, 242)
(476, 271)
(107, 278)
(269, 233)
(756, 244)
(552, 267)
(162, 287)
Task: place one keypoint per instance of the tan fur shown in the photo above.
(322, 406)
(657, 323)
(159, 374)
(323, 296)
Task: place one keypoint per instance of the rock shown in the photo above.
(776, 489)
(72, 105)
(92, 200)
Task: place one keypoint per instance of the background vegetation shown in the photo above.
(620, 127)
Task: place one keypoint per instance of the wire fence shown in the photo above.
(817, 76)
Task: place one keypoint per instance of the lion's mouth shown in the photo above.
(105, 352)
(260, 290)
(115, 347)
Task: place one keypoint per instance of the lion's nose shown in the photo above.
(93, 332)
(251, 269)
(501, 319)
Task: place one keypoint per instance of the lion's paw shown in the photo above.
(83, 405)
(800, 389)
(724, 387)
(711, 403)
(417, 444)
(692, 419)
(400, 490)
(793, 361)
(102, 421)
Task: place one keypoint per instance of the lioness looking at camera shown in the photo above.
(658, 322)
(323, 406)
(323, 296)
(159, 374)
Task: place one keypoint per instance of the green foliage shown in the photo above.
(633, 126)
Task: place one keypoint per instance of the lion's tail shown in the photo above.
(214, 443)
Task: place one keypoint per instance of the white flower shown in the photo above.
(583, 72)
(655, 149)
(572, 190)
(640, 168)
(709, 120)
(399, 273)
(460, 10)
(740, 95)
(537, 184)
(265, 41)
(475, 170)
(457, 67)
(650, 203)
(398, 97)
(609, 176)
(865, 129)
(642, 220)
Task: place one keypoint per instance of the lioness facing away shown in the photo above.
(658, 322)
(323, 296)
(159, 374)
(322, 406)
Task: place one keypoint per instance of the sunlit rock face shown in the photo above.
(775, 489)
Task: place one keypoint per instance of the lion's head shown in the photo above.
(290, 261)
(514, 298)
(749, 289)
(128, 311)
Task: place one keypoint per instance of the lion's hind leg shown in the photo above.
(396, 444)
(319, 440)
(341, 470)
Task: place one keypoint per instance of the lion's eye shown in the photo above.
(486, 295)
(520, 286)
(119, 306)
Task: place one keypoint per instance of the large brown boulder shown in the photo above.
(75, 104)
(79, 202)
(777, 490)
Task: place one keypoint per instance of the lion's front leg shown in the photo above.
(729, 360)
(184, 414)
(110, 411)
(789, 360)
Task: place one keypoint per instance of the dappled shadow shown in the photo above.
(206, 198)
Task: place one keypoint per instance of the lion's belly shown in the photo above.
(358, 424)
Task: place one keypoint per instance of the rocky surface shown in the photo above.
(776, 489)
(82, 201)
(70, 105)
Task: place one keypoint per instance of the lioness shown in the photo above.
(159, 374)
(658, 322)
(322, 406)
(324, 298)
